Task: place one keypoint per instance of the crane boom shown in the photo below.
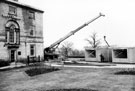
(106, 41)
(73, 32)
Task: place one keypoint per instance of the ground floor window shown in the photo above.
(120, 53)
(32, 50)
(91, 53)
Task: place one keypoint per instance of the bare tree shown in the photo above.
(77, 52)
(93, 41)
(66, 48)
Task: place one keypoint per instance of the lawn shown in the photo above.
(68, 79)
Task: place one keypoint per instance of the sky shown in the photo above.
(64, 16)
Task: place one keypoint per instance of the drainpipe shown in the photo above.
(26, 44)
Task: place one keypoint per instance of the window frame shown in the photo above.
(32, 50)
(12, 10)
(12, 35)
(91, 53)
(120, 53)
(31, 32)
(32, 15)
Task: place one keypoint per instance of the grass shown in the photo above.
(68, 79)
(40, 70)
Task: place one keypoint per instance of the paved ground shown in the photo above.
(92, 65)
(95, 65)
(12, 65)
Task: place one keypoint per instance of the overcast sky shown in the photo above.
(63, 16)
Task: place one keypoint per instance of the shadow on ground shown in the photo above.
(72, 90)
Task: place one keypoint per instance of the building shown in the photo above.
(113, 54)
(94, 54)
(21, 31)
(123, 55)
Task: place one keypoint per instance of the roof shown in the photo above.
(90, 48)
(22, 5)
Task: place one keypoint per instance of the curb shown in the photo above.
(11, 67)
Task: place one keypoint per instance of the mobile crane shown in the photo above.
(49, 51)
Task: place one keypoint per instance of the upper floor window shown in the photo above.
(11, 34)
(12, 10)
(31, 32)
(31, 15)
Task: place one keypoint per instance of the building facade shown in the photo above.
(96, 54)
(113, 54)
(21, 31)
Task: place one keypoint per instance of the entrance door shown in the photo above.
(12, 55)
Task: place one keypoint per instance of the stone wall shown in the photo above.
(25, 26)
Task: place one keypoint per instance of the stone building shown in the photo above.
(21, 31)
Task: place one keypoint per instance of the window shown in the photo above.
(18, 37)
(12, 10)
(11, 34)
(31, 15)
(32, 29)
(120, 53)
(19, 52)
(31, 32)
(91, 53)
(32, 50)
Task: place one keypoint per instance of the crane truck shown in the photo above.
(49, 51)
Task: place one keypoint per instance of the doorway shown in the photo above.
(12, 56)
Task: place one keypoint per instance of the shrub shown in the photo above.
(126, 72)
(4, 63)
(74, 62)
(24, 61)
(37, 64)
(40, 70)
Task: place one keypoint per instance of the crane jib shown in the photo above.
(73, 32)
